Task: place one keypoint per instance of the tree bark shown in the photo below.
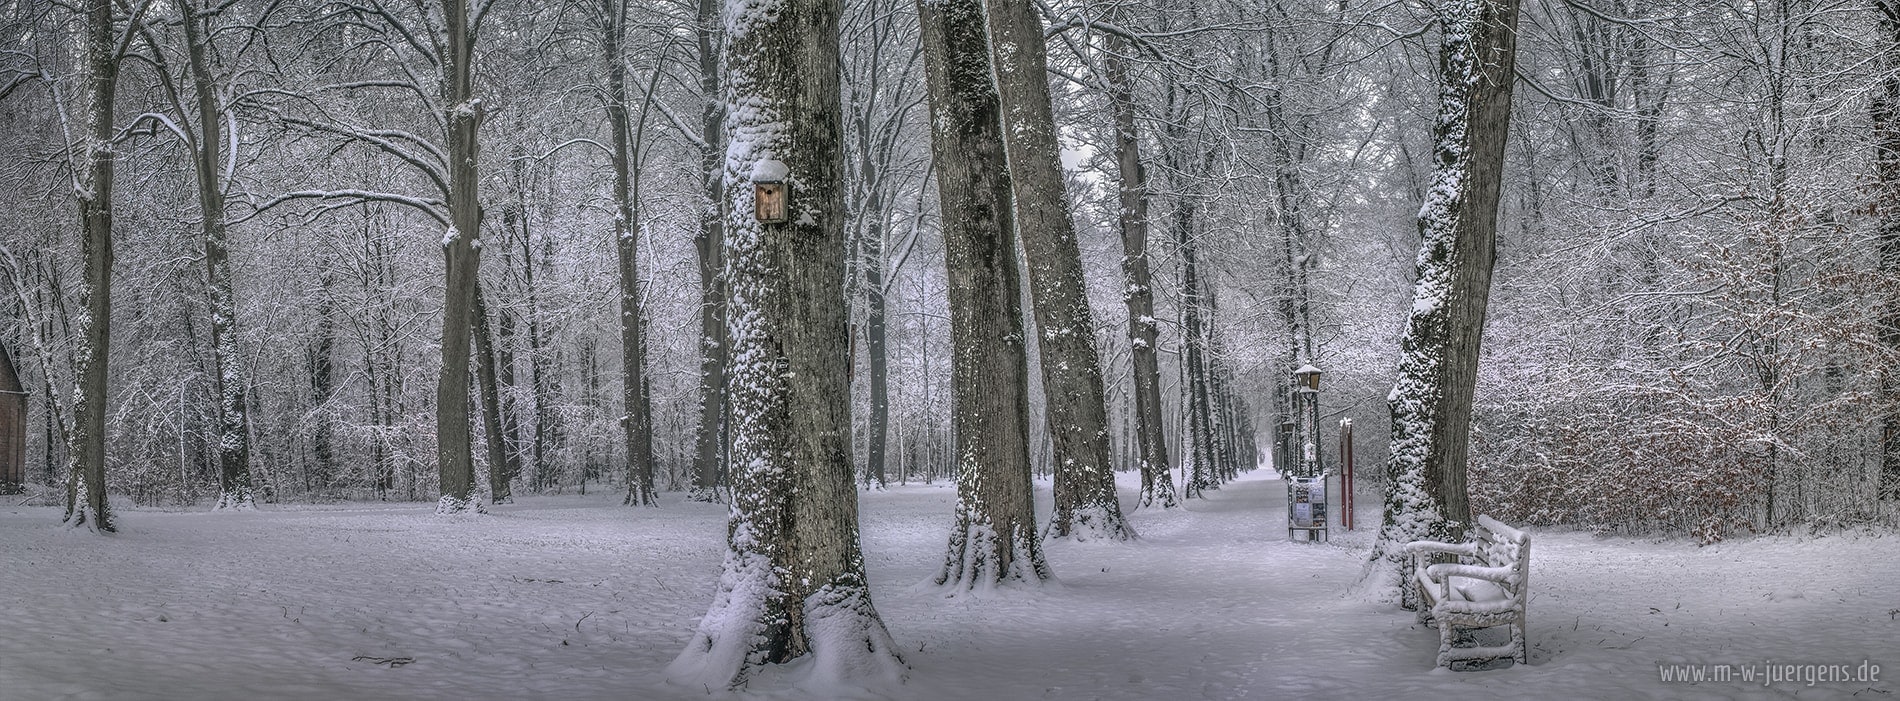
(86, 479)
(995, 538)
(636, 418)
(1438, 366)
(709, 456)
(1151, 447)
(461, 253)
(1085, 503)
(793, 582)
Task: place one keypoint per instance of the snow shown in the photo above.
(769, 171)
(580, 598)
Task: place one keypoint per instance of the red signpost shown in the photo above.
(1345, 473)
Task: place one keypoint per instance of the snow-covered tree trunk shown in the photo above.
(793, 579)
(1151, 447)
(636, 418)
(995, 539)
(1085, 502)
(462, 250)
(1887, 165)
(1438, 365)
(709, 463)
(235, 489)
(86, 477)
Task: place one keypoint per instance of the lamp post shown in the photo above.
(1283, 447)
(1306, 411)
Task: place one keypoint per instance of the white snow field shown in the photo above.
(568, 597)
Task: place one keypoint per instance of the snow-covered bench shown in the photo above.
(1486, 587)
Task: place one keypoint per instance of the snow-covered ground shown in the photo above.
(580, 598)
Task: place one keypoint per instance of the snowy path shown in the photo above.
(579, 598)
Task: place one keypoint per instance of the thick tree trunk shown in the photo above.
(793, 582)
(1438, 365)
(709, 455)
(86, 479)
(1887, 165)
(235, 490)
(1151, 447)
(995, 539)
(636, 418)
(462, 257)
(1085, 503)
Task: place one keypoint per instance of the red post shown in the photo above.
(1345, 461)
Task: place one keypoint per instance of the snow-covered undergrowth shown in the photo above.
(581, 598)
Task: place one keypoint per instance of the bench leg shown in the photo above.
(1519, 645)
(1447, 633)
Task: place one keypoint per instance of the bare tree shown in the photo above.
(636, 417)
(1887, 174)
(93, 169)
(709, 457)
(995, 538)
(207, 129)
(793, 582)
(463, 116)
(1438, 368)
(1157, 483)
(1085, 503)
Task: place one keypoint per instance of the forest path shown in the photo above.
(579, 598)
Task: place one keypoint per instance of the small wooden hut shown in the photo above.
(12, 426)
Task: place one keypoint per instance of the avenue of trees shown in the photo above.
(1631, 267)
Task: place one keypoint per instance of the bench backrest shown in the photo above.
(1504, 546)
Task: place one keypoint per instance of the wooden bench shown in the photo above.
(1486, 587)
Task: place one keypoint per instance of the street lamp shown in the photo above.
(1307, 377)
(1306, 407)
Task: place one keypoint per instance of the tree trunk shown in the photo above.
(1887, 165)
(1157, 484)
(490, 390)
(709, 455)
(501, 476)
(86, 479)
(541, 367)
(995, 538)
(793, 582)
(235, 490)
(1438, 365)
(462, 257)
(874, 333)
(1085, 503)
(322, 384)
(1197, 438)
(636, 418)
